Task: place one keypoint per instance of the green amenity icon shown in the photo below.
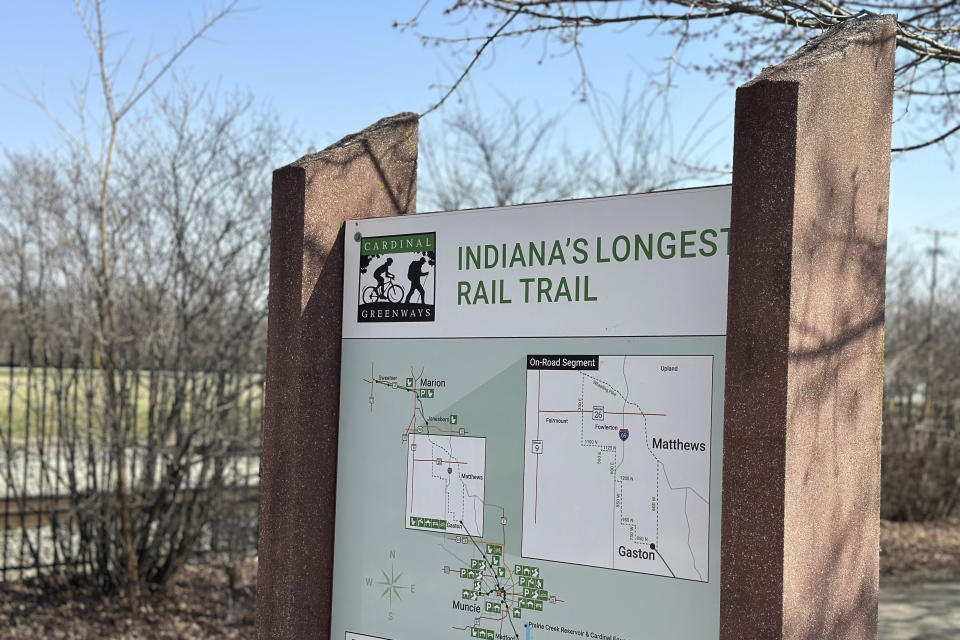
(428, 523)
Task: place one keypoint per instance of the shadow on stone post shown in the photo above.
(369, 174)
(801, 481)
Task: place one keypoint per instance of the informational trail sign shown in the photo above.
(531, 417)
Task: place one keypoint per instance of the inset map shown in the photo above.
(617, 462)
(445, 483)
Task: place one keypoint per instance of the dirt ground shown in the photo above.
(197, 605)
(919, 551)
(920, 580)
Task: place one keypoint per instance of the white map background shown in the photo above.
(445, 481)
(592, 497)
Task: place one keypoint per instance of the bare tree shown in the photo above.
(638, 148)
(188, 240)
(921, 437)
(512, 157)
(29, 188)
(117, 109)
(106, 208)
(481, 160)
(757, 32)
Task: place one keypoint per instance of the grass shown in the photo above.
(45, 400)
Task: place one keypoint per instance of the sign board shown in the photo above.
(531, 417)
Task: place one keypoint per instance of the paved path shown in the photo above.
(929, 611)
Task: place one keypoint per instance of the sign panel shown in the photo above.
(531, 419)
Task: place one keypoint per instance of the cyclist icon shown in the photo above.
(383, 290)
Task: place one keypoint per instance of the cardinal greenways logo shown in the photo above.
(398, 278)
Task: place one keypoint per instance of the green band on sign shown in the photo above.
(413, 243)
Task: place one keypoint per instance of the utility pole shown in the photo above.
(935, 253)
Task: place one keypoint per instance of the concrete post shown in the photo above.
(801, 481)
(370, 174)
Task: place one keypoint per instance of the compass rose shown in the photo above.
(391, 585)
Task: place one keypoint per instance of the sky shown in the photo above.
(332, 68)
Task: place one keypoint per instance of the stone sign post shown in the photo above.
(370, 174)
(801, 451)
(799, 515)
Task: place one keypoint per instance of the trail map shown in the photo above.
(531, 422)
(492, 488)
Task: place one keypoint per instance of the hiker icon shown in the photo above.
(415, 274)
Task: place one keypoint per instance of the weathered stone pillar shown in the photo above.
(801, 482)
(370, 174)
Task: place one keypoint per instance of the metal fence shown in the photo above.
(184, 448)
